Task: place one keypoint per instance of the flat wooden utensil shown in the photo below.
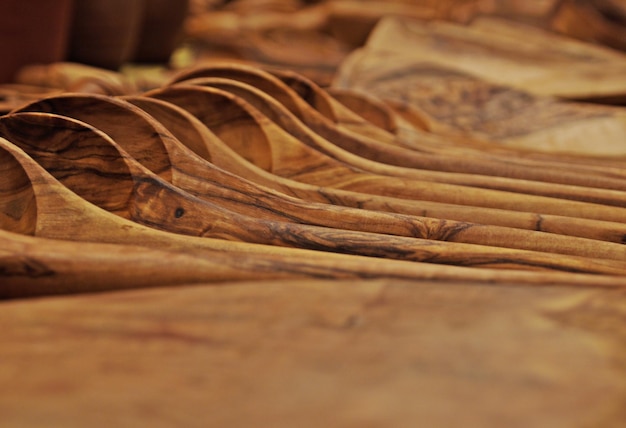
(509, 53)
(456, 103)
(330, 352)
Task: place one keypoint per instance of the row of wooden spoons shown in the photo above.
(232, 172)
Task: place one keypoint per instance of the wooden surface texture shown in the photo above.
(383, 353)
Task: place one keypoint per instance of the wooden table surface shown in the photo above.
(382, 353)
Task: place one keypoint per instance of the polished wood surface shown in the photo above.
(317, 353)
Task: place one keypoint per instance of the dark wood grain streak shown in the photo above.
(16, 197)
(75, 154)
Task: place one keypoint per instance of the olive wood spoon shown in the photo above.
(125, 187)
(312, 94)
(199, 177)
(190, 131)
(219, 153)
(552, 170)
(279, 115)
(37, 204)
(267, 145)
(34, 266)
(34, 205)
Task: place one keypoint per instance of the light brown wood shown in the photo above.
(262, 142)
(282, 117)
(505, 119)
(127, 189)
(140, 135)
(509, 53)
(325, 353)
(601, 21)
(331, 121)
(370, 108)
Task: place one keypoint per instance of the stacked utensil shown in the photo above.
(234, 172)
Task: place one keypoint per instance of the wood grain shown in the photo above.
(325, 353)
(156, 203)
(135, 132)
(282, 117)
(314, 107)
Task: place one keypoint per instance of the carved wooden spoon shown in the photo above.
(67, 148)
(220, 154)
(138, 133)
(482, 159)
(49, 209)
(482, 162)
(370, 108)
(279, 115)
(254, 136)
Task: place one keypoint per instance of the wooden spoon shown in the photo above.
(305, 95)
(60, 213)
(287, 121)
(56, 142)
(370, 108)
(534, 167)
(220, 154)
(252, 134)
(138, 134)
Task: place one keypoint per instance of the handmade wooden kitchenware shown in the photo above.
(140, 134)
(35, 203)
